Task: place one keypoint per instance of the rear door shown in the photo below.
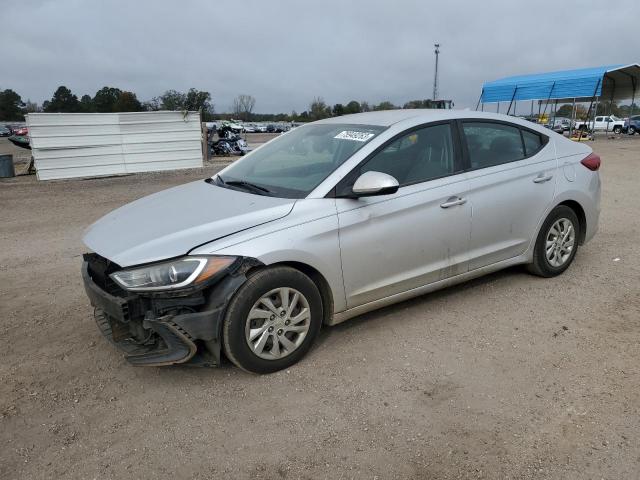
(393, 243)
(511, 183)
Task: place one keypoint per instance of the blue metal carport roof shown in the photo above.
(620, 81)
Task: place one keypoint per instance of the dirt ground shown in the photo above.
(508, 376)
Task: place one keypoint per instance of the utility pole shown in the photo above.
(435, 76)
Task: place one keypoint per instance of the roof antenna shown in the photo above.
(435, 76)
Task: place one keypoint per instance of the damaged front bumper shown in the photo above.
(162, 328)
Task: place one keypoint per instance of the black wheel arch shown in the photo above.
(582, 218)
(316, 277)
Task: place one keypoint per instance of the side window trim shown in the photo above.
(458, 160)
(544, 140)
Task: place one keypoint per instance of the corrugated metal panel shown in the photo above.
(67, 145)
(583, 83)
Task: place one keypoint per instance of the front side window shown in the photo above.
(492, 144)
(294, 164)
(418, 156)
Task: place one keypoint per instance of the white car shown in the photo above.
(331, 220)
(602, 123)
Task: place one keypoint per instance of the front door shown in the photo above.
(393, 243)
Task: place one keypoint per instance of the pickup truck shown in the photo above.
(610, 123)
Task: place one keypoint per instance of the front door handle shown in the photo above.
(542, 178)
(453, 201)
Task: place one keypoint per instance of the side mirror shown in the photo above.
(374, 183)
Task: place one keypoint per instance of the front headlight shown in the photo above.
(178, 273)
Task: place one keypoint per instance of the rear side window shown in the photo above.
(532, 142)
(492, 144)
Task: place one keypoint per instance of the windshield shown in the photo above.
(294, 164)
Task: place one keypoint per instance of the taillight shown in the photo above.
(592, 162)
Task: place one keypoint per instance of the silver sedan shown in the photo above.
(331, 220)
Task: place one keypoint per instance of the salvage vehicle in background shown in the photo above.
(331, 220)
(632, 125)
(229, 143)
(20, 131)
(559, 124)
(602, 123)
(5, 132)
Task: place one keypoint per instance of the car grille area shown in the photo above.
(99, 269)
(132, 322)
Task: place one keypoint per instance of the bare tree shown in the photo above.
(243, 106)
(318, 109)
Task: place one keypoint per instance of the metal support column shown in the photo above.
(633, 100)
(613, 90)
(480, 100)
(593, 119)
(512, 98)
(544, 112)
(573, 118)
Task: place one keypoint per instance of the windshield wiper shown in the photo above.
(244, 184)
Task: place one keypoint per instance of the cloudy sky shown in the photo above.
(286, 52)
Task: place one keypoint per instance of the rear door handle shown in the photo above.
(542, 178)
(453, 201)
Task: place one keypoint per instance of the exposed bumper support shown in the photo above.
(151, 338)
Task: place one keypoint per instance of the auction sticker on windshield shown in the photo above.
(355, 136)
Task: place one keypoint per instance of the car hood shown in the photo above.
(172, 222)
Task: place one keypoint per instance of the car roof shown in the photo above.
(386, 118)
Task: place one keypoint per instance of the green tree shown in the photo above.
(105, 99)
(10, 105)
(63, 101)
(338, 109)
(364, 107)
(127, 102)
(86, 104)
(385, 106)
(607, 107)
(564, 111)
(172, 100)
(352, 107)
(198, 99)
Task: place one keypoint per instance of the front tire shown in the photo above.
(272, 320)
(557, 243)
(617, 130)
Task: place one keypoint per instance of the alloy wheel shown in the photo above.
(278, 323)
(560, 242)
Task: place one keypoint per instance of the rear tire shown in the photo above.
(557, 243)
(272, 321)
